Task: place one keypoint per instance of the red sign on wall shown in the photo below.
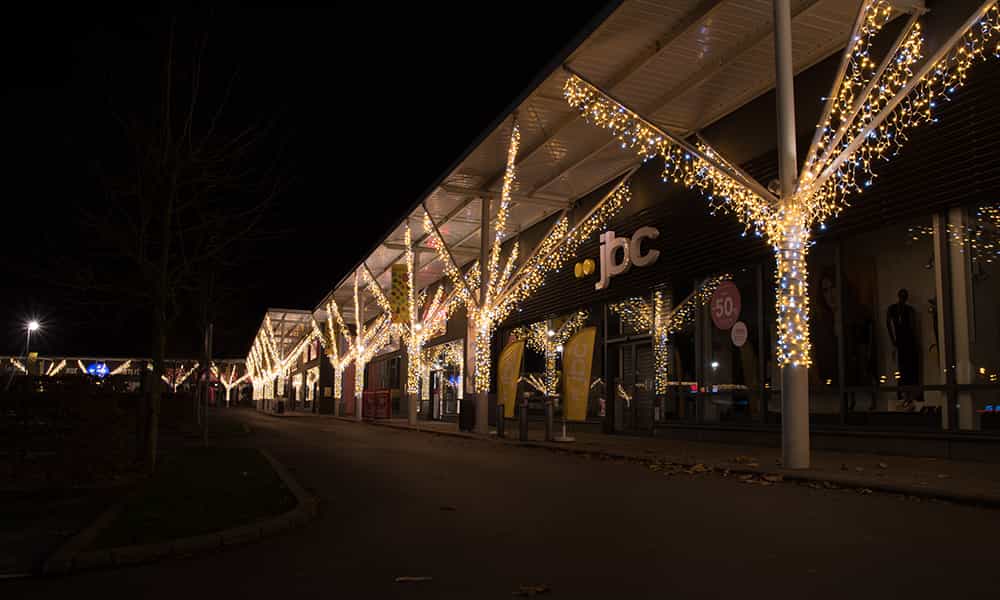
(725, 305)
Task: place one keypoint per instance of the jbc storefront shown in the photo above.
(638, 240)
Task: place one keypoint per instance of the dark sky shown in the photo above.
(369, 105)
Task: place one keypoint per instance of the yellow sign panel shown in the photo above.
(578, 358)
(399, 294)
(508, 372)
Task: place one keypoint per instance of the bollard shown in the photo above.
(500, 422)
(524, 420)
(549, 415)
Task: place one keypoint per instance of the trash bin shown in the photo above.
(281, 407)
(467, 415)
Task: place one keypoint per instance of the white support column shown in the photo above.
(961, 318)
(483, 398)
(794, 379)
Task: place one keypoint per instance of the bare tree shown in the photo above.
(190, 186)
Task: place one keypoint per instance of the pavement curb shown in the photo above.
(843, 481)
(71, 556)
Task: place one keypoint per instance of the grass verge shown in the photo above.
(197, 491)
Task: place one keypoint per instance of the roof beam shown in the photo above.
(550, 200)
(648, 54)
(759, 35)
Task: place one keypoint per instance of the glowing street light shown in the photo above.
(33, 326)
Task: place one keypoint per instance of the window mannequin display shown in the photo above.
(901, 321)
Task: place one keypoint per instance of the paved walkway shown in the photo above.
(960, 481)
(481, 520)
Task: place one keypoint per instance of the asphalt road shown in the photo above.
(483, 520)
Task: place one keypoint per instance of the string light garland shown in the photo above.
(547, 338)
(19, 365)
(981, 237)
(425, 320)
(368, 340)
(509, 286)
(661, 320)
(439, 358)
(55, 368)
(869, 114)
(121, 368)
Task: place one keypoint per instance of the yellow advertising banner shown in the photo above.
(578, 358)
(399, 294)
(508, 372)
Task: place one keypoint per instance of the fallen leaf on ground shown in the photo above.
(745, 477)
(698, 468)
(753, 465)
(864, 491)
(413, 578)
(774, 478)
(830, 485)
(743, 459)
(883, 466)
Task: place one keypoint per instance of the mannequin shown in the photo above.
(901, 321)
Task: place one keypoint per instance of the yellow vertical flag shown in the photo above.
(508, 372)
(578, 358)
(399, 294)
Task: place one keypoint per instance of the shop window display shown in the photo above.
(892, 345)
(730, 380)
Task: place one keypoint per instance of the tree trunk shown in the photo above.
(156, 391)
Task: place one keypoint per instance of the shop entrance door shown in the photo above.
(633, 387)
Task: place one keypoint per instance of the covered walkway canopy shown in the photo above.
(685, 64)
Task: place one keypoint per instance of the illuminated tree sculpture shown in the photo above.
(368, 339)
(330, 339)
(490, 299)
(266, 361)
(422, 320)
(229, 380)
(547, 338)
(663, 321)
(866, 118)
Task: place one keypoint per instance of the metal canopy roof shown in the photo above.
(289, 326)
(683, 63)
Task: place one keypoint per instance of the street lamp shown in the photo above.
(31, 326)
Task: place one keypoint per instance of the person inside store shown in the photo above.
(901, 321)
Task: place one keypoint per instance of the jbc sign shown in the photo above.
(615, 263)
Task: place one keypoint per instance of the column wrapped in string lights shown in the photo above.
(506, 288)
(662, 320)
(424, 320)
(866, 118)
(547, 338)
(368, 340)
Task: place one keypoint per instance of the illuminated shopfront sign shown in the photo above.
(615, 263)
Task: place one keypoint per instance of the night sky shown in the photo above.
(367, 106)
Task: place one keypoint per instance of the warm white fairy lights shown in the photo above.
(121, 368)
(424, 320)
(269, 359)
(662, 320)
(547, 338)
(20, 366)
(450, 355)
(230, 380)
(865, 121)
(508, 286)
(980, 238)
(55, 368)
(369, 340)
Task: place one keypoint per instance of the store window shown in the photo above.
(891, 332)
(731, 390)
